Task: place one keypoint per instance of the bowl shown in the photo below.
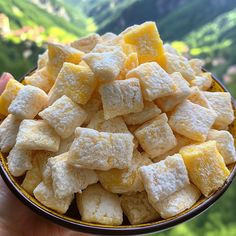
(72, 220)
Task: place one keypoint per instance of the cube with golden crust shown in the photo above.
(41, 79)
(11, 90)
(64, 116)
(205, 165)
(28, 103)
(182, 92)
(8, 132)
(121, 97)
(37, 135)
(156, 136)
(147, 40)
(225, 144)
(19, 161)
(33, 176)
(154, 81)
(192, 120)
(76, 82)
(149, 112)
(127, 180)
(97, 205)
(101, 150)
(45, 195)
(105, 65)
(175, 63)
(164, 178)
(138, 209)
(86, 44)
(113, 125)
(221, 103)
(58, 54)
(178, 201)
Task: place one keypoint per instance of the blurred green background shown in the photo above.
(197, 28)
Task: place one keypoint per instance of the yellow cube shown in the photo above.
(125, 180)
(128, 48)
(41, 79)
(8, 95)
(76, 82)
(147, 41)
(205, 165)
(174, 63)
(58, 54)
(130, 63)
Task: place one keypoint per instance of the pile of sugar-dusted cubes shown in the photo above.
(122, 123)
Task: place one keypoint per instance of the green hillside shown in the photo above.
(12, 57)
(24, 13)
(31, 27)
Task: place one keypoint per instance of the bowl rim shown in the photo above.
(125, 230)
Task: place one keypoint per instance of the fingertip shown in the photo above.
(5, 77)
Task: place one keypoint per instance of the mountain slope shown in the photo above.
(173, 16)
(30, 27)
(24, 13)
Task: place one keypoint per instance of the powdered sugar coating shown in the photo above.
(221, 103)
(99, 206)
(197, 65)
(175, 63)
(182, 92)
(28, 103)
(67, 179)
(202, 81)
(65, 145)
(37, 135)
(121, 97)
(178, 201)
(45, 195)
(126, 180)
(181, 142)
(192, 120)
(146, 39)
(198, 97)
(113, 125)
(58, 54)
(8, 132)
(138, 209)
(41, 79)
(86, 44)
(149, 111)
(64, 116)
(156, 136)
(75, 81)
(33, 176)
(105, 65)
(225, 144)
(164, 178)
(8, 95)
(47, 171)
(19, 161)
(205, 165)
(154, 81)
(101, 150)
(91, 107)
